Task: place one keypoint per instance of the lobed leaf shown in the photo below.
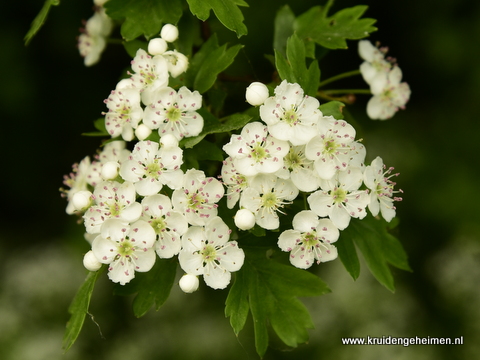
(333, 108)
(143, 17)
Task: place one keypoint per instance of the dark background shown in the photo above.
(48, 98)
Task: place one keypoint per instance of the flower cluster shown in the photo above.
(297, 149)
(384, 78)
(140, 202)
(93, 39)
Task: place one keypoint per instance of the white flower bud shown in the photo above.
(256, 93)
(157, 46)
(168, 141)
(177, 63)
(244, 219)
(91, 262)
(110, 170)
(169, 32)
(188, 283)
(81, 200)
(142, 132)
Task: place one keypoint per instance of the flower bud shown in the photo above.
(81, 200)
(168, 141)
(188, 283)
(169, 33)
(244, 219)
(110, 170)
(256, 93)
(142, 132)
(157, 46)
(177, 63)
(91, 262)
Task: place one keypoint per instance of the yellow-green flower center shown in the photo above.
(158, 225)
(339, 195)
(290, 116)
(154, 170)
(209, 253)
(174, 114)
(126, 248)
(259, 153)
(115, 209)
(269, 200)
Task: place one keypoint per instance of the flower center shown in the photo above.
(158, 225)
(293, 160)
(259, 153)
(330, 146)
(310, 240)
(126, 248)
(173, 114)
(291, 116)
(154, 170)
(209, 253)
(339, 195)
(269, 200)
(115, 209)
(195, 201)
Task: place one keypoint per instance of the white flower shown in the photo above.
(290, 115)
(151, 73)
(124, 113)
(331, 148)
(234, 181)
(169, 32)
(198, 196)
(92, 41)
(107, 162)
(189, 283)
(177, 63)
(389, 96)
(169, 225)
(112, 200)
(77, 181)
(309, 240)
(255, 151)
(300, 170)
(150, 167)
(175, 113)
(265, 197)
(126, 248)
(375, 67)
(206, 251)
(340, 199)
(256, 93)
(377, 179)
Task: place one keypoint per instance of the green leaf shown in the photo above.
(132, 46)
(40, 19)
(227, 11)
(214, 126)
(79, 308)
(205, 150)
(283, 29)
(379, 248)
(294, 68)
(348, 255)
(155, 286)
(143, 17)
(332, 32)
(100, 126)
(272, 289)
(333, 108)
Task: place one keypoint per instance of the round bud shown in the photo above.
(142, 132)
(244, 219)
(81, 200)
(169, 33)
(188, 283)
(157, 46)
(177, 63)
(110, 170)
(256, 93)
(91, 262)
(168, 141)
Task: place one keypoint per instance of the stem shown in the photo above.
(345, 91)
(339, 77)
(114, 41)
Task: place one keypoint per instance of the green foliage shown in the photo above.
(270, 290)
(40, 19)
(143, 17)
(332, 31)
(378, 247)
(227, 11)
(79, 309)
(333, 108)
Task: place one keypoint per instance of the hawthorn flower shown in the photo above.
(375, 67)
(125, 248)
(300, 170)
(206, 250)
(150, 74)
(177, 62)
(124, 113)
(175, 113)
(311, 239)
(234, 181)
(331, 148)
(266, 196)
(77, 181)
(255, 151)
(290, 115)
(112, 200)
(197, 197)
(377, 179)
(389, 95)
(151, 166)
(340, 198)
(169, 225)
